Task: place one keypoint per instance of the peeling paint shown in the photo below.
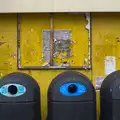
(8, 46)
(5, 63)
(118, 39)
(13, 55)
(1, 43)
(88, 27)
(10, 63)
(1, 74)
(32, 30)
(46, 64)
(30, 72)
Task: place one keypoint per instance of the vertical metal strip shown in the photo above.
(51, 38)
(90, 41)
(88, 27)
(18, 41)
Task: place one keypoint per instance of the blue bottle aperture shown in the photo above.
(72, 89)
(12, 90)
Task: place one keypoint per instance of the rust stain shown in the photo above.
(1, 74)
(30, 72)
(118, 39)
(1, 43)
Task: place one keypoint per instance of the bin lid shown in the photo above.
(71, 86)
(19, 87)
(110, 88)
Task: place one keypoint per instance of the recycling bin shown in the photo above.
(110, 97)
(19, 97)
(71, 96)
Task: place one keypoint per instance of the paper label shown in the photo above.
(110, 64)
(99, 80)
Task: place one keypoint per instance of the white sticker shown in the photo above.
(110, 64)
(99, 80)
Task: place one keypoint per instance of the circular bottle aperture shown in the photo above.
(12, 89)
(72, 88)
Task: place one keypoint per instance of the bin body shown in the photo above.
(19, 97)
(110, 97)
(71, 96)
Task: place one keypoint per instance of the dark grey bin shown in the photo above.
(19, 97)
(110, 97)
(71, 96)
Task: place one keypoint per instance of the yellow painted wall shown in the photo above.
(105, 35)
(105, 40)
